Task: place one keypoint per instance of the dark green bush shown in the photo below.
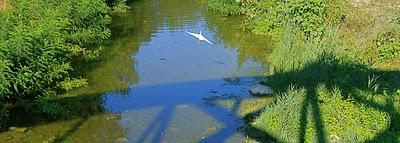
(38, 41)
(118, 6)
(3, 116)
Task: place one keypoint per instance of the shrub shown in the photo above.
(227, 7)
(310, 16)
(118, 6)
(271, 16)
(3, 116)
(38, 41)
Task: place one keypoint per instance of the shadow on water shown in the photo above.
(84, 118)
(352, 80)
(94, 118)
(215, 121)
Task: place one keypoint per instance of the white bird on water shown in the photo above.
(199, 36)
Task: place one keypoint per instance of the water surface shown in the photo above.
(156, 83)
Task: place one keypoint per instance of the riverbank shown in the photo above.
(335, 69)
(42, 44)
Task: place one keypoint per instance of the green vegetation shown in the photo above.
(327, 94)
(41, 42)
(332, 83)
(310, 16)
(83, 108)
(265, 17)
(227, 7)
(118, 6)
(388, 46)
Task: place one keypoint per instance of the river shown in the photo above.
(156, 83)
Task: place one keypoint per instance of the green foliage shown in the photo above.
(47, 106)
(266, 17)
(3, 116)
(338, 98)
(343, 119)
(4, 75)
(70, 84)
(88, 23)
(310, 16)
(118, 6)
(384, 47)
(38, 41)
(327, 90)
(387, 45)
(227, 7)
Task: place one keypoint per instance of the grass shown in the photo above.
(325, 94)
(343, 86)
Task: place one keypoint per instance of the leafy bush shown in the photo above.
(310, 16)
(266, 17)
(70, 84)
(3, 116)
(38, 41)
(227, 7)
(118, 6)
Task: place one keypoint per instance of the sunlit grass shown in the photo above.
(334, 88)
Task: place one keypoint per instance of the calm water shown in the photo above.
(156, 83)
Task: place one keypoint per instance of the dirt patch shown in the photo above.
(367, 18)
(4, 4)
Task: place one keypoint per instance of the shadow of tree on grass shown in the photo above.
(356, 82)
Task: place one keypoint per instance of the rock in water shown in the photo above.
(260, 89)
